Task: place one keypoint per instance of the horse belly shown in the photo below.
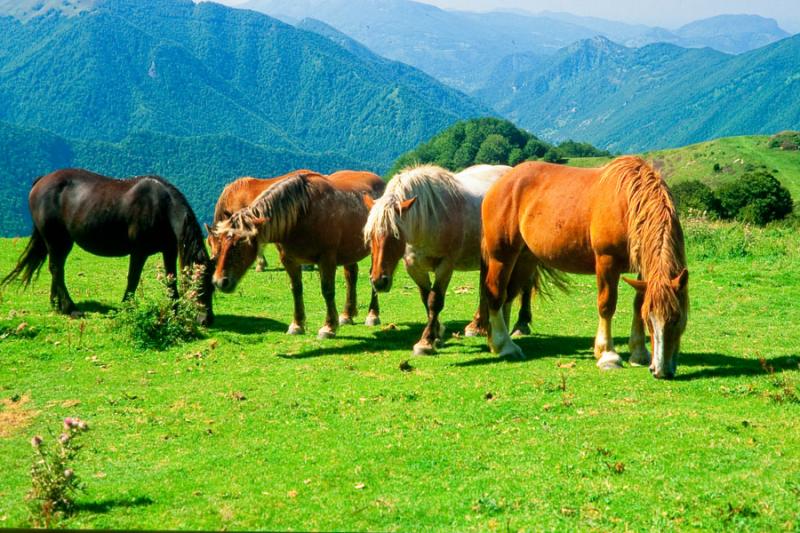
(560, 244)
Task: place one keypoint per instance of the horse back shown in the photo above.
(358, 181)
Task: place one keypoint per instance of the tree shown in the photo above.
(494, 150)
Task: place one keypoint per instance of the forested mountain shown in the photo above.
(657, 96)
(464, 48)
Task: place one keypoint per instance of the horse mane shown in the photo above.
(191, 244)
(231, 188)
(655, 238)
(436, 191)
(282, 204)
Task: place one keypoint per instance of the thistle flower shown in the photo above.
(64, 438)
(36, 441)
(83, 426)
(69, 423)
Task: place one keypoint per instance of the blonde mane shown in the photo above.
(281, 204)
(436, 191)
(655, 238)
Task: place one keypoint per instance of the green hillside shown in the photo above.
(734, 155)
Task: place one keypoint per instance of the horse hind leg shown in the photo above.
(524, 279)
(350, 305)
(497, 276)
(59, 295)
(607, 281)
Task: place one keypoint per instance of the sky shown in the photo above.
(666, 13)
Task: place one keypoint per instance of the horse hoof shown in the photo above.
(345, 320)
(471, 331)
(295, 329)
(260, 268)
(512, 351)
(521, 330)
(609, 361)
(424, 348)
(326, 333)
(372, 320)
(639, 358)
(76, 314)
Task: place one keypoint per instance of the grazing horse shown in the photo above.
(139, 217)
(238, 195)
(601, 221)
(431, 218)
(313, 220)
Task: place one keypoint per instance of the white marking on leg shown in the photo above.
(657, 365)
(500, 341)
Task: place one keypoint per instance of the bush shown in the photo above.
(755, 198)
(160, 321)
(696, 197)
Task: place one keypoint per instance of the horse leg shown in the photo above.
(374, 314)
(607, 281)
(350, 306)
(327, 279)
(525, 317)
(261, 261)
(59, 296)
(479, 326)
(496, 274)
(423, 281)
(298, 325)
(639, 354)
(135, 266)
(434, 330)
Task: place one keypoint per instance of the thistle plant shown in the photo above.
(53, 480)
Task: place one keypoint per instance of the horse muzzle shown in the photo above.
(223, 283)
(382, 284)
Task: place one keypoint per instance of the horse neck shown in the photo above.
(283, 206)
(191, 246)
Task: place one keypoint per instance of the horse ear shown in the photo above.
(368, 201)
(638, 285)
(404, 206)
(680, 281)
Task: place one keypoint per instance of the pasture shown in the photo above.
(252, 429)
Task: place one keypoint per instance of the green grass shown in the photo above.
(733, 154)
(252, 429)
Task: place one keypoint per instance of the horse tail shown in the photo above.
(546, 279)
(30, 262)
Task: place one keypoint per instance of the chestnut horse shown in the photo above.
(313, 220)
(108, 217)
(239, 194)
(431, 218)
(602, 221)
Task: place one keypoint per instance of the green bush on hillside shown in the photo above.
(695, 197)
(785, 140)
(755, 198)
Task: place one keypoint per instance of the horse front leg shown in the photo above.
(434, 330)
(59, 296)
(135, 266)
(636, 344)
(327, 279)
(298, 325)
(350, 305)
(374, 313)
(496, 273)
(607, 282)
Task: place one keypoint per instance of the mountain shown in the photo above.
(457, 48)
(733, 34)
(180, 69)
(661, 95)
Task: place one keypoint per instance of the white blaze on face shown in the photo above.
(658, 344)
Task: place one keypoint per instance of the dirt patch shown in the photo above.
(14, 415)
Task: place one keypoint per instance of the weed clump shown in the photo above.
(53, 481)
(167, 317)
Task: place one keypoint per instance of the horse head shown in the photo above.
(665, 310)
(388, 246)
(234, 250)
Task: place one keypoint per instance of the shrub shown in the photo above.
(159, 321)
(755, 198)
(696, 197)
(53, 481)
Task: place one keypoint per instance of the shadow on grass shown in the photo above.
(721, 366)
(104, 506)
(92, 306)
(539, 346)
(247, 325)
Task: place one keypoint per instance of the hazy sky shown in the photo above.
(667, 13)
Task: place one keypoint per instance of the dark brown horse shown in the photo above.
(313, 220)
(601, 221)
(112, 218)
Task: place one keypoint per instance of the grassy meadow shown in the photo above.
(249, 428)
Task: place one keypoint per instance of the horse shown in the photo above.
(542, 217)
(109, 217)
(239, 194)
(313, 220)
(431, 218)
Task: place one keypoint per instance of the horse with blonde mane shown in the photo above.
(604, 221)
(431, 218)
(239, 194)
(313, 220)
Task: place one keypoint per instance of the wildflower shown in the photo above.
(83, 426)
(64, 438)
(68, 423)
(36, 441)
(68, 473)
